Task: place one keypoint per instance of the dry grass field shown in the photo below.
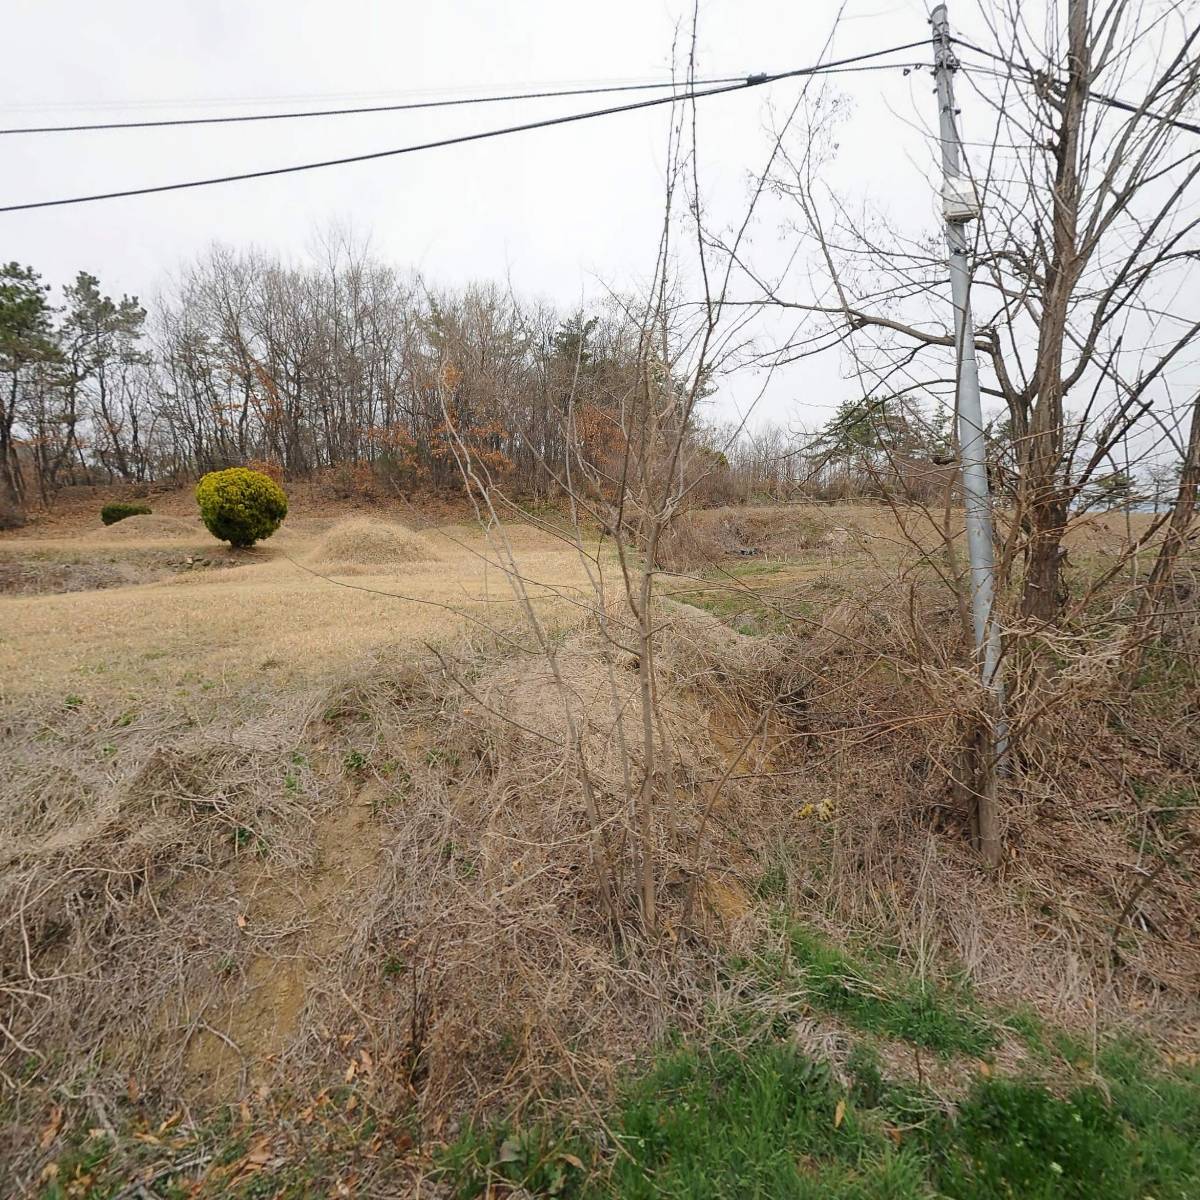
(290, 831)
(276, 608)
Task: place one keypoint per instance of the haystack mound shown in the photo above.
(361, 541)
(148, 527)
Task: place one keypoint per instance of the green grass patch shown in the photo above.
(1014, 1138)
(875, 994)
(769, 1123)
(716, 1124)
(741, 608)
(883, 1000)
(751, 568)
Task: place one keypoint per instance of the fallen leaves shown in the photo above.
(361, 1064)
(52, 1127)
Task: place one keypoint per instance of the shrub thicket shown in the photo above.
(241, 506)
(110, 514)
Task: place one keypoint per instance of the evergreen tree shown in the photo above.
(26, 342)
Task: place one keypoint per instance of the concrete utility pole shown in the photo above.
(960, 206)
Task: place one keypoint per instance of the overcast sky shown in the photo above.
(556, 210)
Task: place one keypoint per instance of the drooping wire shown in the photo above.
(1099, 97)
(411, 106)
(751, 81)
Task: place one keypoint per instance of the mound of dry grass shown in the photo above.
(491, 929)
(148, 527)
(364, 542)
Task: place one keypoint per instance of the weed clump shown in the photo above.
(110, 514)
(241, 506)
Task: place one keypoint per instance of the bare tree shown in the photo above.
(1084, 280)
(1171, 548)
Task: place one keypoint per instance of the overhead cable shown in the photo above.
(751, 81)
(1099, 97)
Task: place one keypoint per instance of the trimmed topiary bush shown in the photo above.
(240, 506)
(110, 514)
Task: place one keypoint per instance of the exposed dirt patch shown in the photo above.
(45, 574)
(266, 1003)
(38, 577)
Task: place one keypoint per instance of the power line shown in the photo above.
(750, 81)
(409, 106)
(247, 103)
(1099, 97)
(374, 108)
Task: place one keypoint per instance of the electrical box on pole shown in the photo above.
(960, 201)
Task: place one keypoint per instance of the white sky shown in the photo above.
(556, 210)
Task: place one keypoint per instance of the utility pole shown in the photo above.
(960, 206)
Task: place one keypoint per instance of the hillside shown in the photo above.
(291, 838)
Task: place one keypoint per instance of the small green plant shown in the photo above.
(354, 760)
(110, 514)
(73, 701)
(245, 838)
(83, 1159)
(241, 506)
(537, 1160)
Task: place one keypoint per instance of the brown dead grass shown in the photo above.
(865, 533)
(275, 613)
(253, 826)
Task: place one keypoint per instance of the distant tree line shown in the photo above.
(347, 367)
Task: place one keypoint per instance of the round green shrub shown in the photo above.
(240, 506)
(110, 514)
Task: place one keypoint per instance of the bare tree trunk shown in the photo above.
(1168, 552)
(10, 467)
(1043, 451)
